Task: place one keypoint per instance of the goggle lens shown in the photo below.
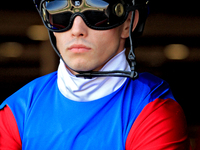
(58, 15)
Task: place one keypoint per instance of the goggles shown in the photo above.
(58, 15)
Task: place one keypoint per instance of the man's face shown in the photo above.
(85, 49)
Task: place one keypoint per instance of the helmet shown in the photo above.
(110, 14)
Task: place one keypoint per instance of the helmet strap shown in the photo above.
(131, 55)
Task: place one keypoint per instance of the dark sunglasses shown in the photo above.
(58, 15)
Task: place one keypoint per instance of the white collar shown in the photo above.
(82, 90)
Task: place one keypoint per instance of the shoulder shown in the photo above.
(150, 80)
(32, 88)
(21, 101)
(142, 91)
(160, 125)
(160, 121)
(42, 81)
(148, 86)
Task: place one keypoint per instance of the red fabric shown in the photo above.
(9, 134)
(160, 126)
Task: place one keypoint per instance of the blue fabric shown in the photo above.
(47, 120)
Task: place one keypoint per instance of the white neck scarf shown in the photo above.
(83, 90)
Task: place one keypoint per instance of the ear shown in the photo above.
(126, 25)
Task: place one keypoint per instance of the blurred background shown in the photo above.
(169, 49)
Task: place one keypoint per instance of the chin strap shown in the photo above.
(116, 73)
(131, 55)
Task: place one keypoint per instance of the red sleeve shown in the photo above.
(161, 125)
(9, 134)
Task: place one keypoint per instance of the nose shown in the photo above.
(79, 28)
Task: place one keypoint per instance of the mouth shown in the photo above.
(79, 48)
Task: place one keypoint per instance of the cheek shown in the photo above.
(107, 46)
(59, 40)
(110, 40)
(105, 38)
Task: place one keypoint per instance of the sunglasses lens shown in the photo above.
(96, 18)
(97, 14)
(54, 18)
(58, 21)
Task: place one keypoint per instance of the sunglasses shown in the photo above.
(58, 15)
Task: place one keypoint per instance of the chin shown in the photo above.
(75, 70)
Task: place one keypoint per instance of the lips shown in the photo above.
(79, 48)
